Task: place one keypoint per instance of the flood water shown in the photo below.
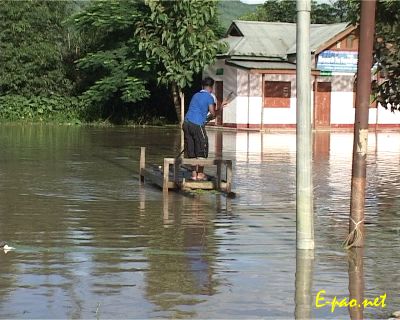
(91, 243)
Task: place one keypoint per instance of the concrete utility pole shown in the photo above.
(303, 284)
(304, 185)
(360, 144)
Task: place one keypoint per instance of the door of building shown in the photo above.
(322, 104)
(219, 93)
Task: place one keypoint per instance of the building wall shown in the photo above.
(229, 78)
(248, 106)
(246, 109)
(342, 104)
(281, 116)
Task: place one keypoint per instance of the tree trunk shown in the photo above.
(176, 93)
(360, 141)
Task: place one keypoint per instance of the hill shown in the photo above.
(233, 9)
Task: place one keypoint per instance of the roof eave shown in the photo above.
(340, 35)
(331, 41)
(257, 58)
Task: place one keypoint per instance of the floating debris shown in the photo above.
(5, 246)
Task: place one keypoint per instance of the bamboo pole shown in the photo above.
(304, 188)
(360, 143)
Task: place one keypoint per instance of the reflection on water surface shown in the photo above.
(92, 243)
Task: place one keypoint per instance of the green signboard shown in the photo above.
(325, 73)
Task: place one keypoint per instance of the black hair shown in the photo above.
(207, 82)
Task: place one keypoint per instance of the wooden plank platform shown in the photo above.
(205, 185)
(176, 172)
(156, 178)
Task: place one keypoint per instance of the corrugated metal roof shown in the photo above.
(320, 34)
(274, 39)
(264, 65)
(263, 39)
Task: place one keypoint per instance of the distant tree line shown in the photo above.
(130, 60)
(285, 11)
(102, 60)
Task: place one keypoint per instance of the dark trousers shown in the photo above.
(196, 140)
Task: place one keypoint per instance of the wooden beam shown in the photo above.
(157, 178)
(205, 185)
(218, 186)
(197, 162)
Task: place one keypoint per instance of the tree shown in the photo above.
(285, 11)
(274, 11)
(34, 80)
(32, 46)
(386, 88)
(114, 72)
(386, 55)
(178, 35)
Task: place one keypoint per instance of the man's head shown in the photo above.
(208, 84)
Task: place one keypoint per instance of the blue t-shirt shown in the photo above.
(198, 107)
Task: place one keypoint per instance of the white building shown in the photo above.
(260, 69)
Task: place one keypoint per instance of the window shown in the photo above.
(277, 94)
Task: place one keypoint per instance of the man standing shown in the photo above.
(195, 136)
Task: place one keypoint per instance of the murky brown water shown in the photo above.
(90, 243)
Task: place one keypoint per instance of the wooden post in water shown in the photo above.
(182, 95)
(228, 176)
(219, 164)
(165, 208)
(165, 175)
(356, 282)
(360, 144)
(142, 163)
(304, 184)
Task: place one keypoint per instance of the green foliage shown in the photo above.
(33, 44)
(58, 109)
(285, 11)
(114, 73)
(387, 55)
(119, 76)
(178, 36)
(386, 51)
